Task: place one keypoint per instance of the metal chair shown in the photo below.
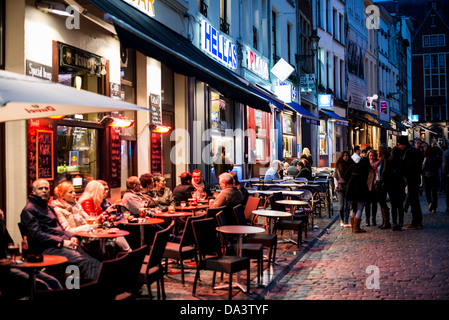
(184, 249)
(211, 256)
(152, 267)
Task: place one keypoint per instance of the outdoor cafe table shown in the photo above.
(272, 215)
(176, 214)
(293, 203)
(102, 235)
(142, 222)
(239, 231)
(32, 267)
(193, 209)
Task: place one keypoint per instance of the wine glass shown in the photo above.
(90, 221)
(204, 195)
(183, 204)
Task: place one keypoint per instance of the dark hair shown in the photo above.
(186, 178)
(403, 140)
(356, 148)
(146, 179)
(157, 177)
(234, 176)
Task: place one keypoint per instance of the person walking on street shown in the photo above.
(371, 201)
(412, 167)
(343, 163)
(356, 155)
(396, 188)
(381, 186)
(430, 173)
(445, 176)
(357, 191)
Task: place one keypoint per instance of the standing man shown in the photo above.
(445, 175)
(46, 235)
(412, 169)
(356, 155)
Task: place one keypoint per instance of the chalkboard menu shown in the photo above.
(44, 154)
(116, 158)
(156, 153)
(155, 106)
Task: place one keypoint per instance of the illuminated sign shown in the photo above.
(383, 107)
(146, 6)
(415, 118)
(218, 46)
(257, 64)
(324, 101)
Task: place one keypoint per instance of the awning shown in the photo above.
(338, 120)
(270, 97)
(306, 116)
(379, 122)
(137, 30)
(24, 97)
(420, 126)
(399, 125)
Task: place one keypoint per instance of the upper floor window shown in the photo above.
(224, 25)
(202, 7)
(435, 40)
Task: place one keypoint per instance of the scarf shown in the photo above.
(200, 186)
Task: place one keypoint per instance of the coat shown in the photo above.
(71, 216)
(42, 226)
(356, 177)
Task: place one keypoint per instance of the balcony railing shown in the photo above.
(224, 26)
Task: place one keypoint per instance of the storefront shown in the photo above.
(332, 137)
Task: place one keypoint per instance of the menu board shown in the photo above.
(44, 154)
(156, 153)
(115, 158)
(155, 106)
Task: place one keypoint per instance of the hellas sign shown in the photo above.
(218, 46)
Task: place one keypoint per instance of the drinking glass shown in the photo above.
(14, 251)
(204, 195)
(90, 221)
(183, 204)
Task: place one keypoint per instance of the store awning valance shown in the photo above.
(399, 125)
(338, 120)
(145, 34)
(270, 97)
(379, 122)
(306, 116)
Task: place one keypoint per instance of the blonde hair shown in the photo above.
(62, 188)
(94, 190)
(306, 151)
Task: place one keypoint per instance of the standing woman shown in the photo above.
(371, 201)
(396, 188)
(382, 184)
(430, 174)
(343, 163)
(307, 155)
(357, 191)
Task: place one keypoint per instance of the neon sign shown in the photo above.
(218, 46)
(257, 64)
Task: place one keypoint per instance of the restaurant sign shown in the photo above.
(256, 64)
(218, 46)
(146, 6)
(38, 70)
(75, 58)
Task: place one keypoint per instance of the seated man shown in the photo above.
(273, 172)
(184, 190)
(15, 282)
(46, 235)
(304, 171)
(229, 196)
(133, 199)
(199, 184)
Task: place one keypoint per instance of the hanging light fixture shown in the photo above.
(159, 128)
(53, 7)
(117, 122)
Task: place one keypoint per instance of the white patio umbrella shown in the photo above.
(24, 97)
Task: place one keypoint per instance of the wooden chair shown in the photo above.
(133, 281)
(211, 256)
(112, 278)
(183, 250)
(89, 291)
(152, 267)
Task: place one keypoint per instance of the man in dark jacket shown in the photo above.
(184, 190)
(412, 169)
(46, 235)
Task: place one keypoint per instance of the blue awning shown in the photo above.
(338, 120)
(306, 116)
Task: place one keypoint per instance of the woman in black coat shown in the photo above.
(344, 162)
(396, 188)
(357, 190)
(431, 177)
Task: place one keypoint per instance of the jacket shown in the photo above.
(91, 208)
(71, 216)
(164, 198)
(357, 175)
(42, 226)
(230, 197)
(182, 192)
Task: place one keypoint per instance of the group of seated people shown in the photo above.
(299, 168)
(51, 224)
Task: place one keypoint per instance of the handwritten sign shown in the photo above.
(44, 155)
(155, 106)
(115, 158)
(156, 153)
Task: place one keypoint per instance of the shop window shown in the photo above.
(287, 142)
(222, 124)
(323, 137)
(287, 138)
(77, 155)
(259, 131)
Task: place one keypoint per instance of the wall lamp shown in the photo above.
(53, 7)
(116, 122)
(159, 128)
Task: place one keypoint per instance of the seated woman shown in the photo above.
(106, 203)
(70, 214)
(164, 195)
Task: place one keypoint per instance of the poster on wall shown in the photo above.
(156, 153)
(155, 107)
(115, 158)
(44, 155)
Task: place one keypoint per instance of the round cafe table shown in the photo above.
(102, 235)
(32, 267)
(142, 222)
(293, 204)
(193, 209)
(176, 214)
(239, 231)
(272, 215)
